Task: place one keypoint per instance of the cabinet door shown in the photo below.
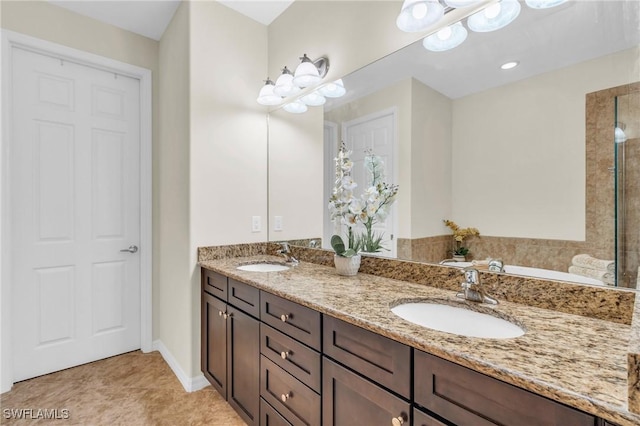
(420, 418)
(466, 397)
(243, 363)
(214, 342)
(348, 400)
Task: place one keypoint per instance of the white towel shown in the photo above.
(587, 261)
(604, 276)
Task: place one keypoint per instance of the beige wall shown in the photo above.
(523, 145)
(431, 166)
(228, 147)
(296, 149)
(172, 300)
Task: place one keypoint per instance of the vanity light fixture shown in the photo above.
(295, 107)
(544, 4)
(284, 84)
(509, 65)
(461, 3)
(335, 89)
(288, 89)
(418, 15)
(267, 96)
(447, 38)
(313, 99)
(494, 17)
(310, 72)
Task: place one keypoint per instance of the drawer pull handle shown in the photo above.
(285, 354)
(284, 317)
(397, 421)
(285, 396)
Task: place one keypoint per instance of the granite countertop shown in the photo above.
(576, 360)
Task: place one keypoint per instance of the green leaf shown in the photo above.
(338, 245)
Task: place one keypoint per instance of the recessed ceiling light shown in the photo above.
(509, 65)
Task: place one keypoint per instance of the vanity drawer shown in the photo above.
(376, 357)
(294, 320)
(290, 397)
(214, 283)
(420, 418)
(297, 359)
(244, 297)
(270, 417)
(464, 396)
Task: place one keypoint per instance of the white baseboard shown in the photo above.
(190, 384)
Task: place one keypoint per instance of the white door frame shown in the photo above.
(12, 39)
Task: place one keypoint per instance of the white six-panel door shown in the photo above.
(377, 133)
(75, 204)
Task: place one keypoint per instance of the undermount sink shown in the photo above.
(457, 320)
(263, 267)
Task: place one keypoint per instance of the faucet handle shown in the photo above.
(285, 247)
(496, 265)
(471, 276)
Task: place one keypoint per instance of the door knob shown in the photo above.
(131, 249)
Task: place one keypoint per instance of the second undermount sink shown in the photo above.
(457, 320)
(263, 267)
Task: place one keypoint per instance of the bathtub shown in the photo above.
(546, 274)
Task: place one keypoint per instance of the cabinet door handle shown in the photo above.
(397, 421)
(285, 396)
(284, 317)
(226, 315)
(285, 354)
(219, 313)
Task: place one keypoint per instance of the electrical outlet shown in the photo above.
(277, 223)
(256, 225)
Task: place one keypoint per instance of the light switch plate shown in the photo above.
(277, 223)
(256, 224)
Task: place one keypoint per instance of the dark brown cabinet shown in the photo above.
(349, 399)
(279, 363)
(231, 343)
(290, 366)
(463, 396)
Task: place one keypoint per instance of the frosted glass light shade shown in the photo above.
(494, 17)
(284, 84)
(306, 74)
(295, 107)
(418, 15)
(267, 96)
(334, 89)
(445, 39)
(313, 99)
(544, 4)
(461, 3)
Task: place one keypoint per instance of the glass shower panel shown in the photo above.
(627, 188)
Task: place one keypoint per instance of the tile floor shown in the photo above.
(129, 389)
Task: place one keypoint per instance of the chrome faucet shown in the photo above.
(286, 252)
(496, 265)
(472, 288)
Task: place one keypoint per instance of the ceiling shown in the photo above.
(150, 18)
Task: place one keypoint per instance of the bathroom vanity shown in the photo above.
(308, 347)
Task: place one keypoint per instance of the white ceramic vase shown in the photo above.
(459, 258)
(347, 266)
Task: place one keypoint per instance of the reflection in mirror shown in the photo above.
(527, 155)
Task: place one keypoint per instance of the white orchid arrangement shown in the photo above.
(357, 212)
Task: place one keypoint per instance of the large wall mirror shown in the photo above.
(528, 156)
